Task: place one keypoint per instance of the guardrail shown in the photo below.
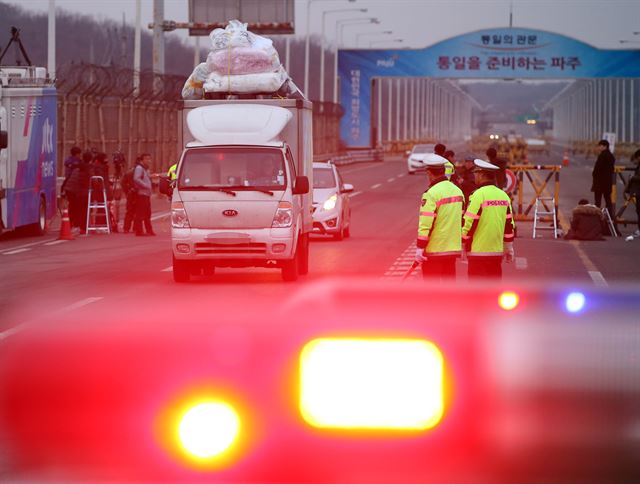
(359, 156)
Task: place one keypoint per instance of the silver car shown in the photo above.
(331, 210)
(415, 161)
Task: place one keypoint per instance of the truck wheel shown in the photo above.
(40, 227)
(303, 251)
(181, 270)
(290, 268)
(208, 270)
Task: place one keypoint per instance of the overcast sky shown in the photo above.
(419, 23)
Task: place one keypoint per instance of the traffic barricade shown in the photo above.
(525, 173)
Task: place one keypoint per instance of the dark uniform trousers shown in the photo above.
(485, 267)
(439, 267)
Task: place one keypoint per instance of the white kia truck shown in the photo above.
(241, 197)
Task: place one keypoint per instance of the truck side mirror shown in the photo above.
(301, 186)
(347, 188)
(4, 139)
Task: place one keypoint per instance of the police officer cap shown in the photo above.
(484, 165)
(431, 159)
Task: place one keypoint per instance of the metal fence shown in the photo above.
(99, 108)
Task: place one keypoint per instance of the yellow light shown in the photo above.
(508, 300)
(330, 203)
(207, 430)
(371, 383)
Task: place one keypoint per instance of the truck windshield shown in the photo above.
(233, 167)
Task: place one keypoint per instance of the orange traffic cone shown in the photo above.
(565, 159)
(65, 227)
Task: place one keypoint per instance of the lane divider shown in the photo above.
(26, 245)
(377, 185)
(21, 327)
(17, 251)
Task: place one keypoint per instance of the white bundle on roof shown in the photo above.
(239, 62)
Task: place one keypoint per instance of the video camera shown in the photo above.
(119, 162)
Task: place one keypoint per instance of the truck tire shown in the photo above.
(40, 227)
(290, 268)
(181, 270)
(303, 250)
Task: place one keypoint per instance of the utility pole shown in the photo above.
(51, 45)
(136, 51)
(158, 37)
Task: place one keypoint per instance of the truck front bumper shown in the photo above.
(234, 248)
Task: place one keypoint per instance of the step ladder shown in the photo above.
(610, 224)
(95, 206)
(540, 211)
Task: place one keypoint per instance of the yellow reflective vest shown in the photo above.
(173, 172)
(439, 223)
(488, 222)
(449, 169)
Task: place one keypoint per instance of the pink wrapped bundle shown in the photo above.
(242, 60)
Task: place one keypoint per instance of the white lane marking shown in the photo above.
(17, 251)
(377, 185)
(521, 263)
(160, 215)
(16, 329)
(389, 180)
(81, 303)
(56, 242)
(167, 269)
(355, 194)
(26, 245)
(401, 175)
(598, 279)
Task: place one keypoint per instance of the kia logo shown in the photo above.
(230, 213)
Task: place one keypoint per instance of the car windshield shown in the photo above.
(323, 178)
(236, 167)
(420, 149)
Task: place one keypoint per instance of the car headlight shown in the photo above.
(330, 203)
(179, 219)
(284, 216)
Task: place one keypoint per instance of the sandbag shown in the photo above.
(243, 60)
(192, 88)
(267, 82)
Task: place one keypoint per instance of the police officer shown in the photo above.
(439, 228)
(172, 173)
(488, 225)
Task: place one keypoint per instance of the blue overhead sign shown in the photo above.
(486, 54)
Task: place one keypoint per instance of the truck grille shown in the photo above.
(252, 248)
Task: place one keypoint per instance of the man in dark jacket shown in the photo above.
(76, 189)
(587, 222)
(501, 176)
(465, 177)
(633, 189)
(71, 162)
(603, 177)
(143, 186)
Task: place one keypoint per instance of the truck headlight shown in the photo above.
(179, 219)
(284, 216)
(330, 203)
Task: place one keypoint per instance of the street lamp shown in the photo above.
(341, 25)
(306, 46)
(324, 14)
(362, 34)
(374, 42)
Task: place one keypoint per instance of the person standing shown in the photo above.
(633, 189)
(439, 229)
(72, 161)
(76, 189)
(488, 229)
(501, 165)
(142, 183)
(464, 176)
(603, 177)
